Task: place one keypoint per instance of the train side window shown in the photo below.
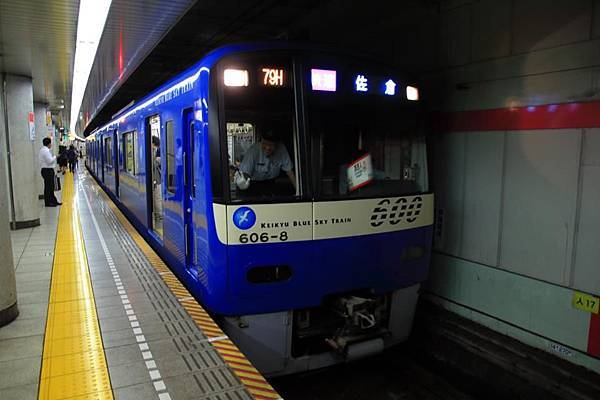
(108, 152)
(192, 158)
(136, 168)
(129, 152)
(170, 152)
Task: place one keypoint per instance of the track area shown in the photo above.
(394, 375)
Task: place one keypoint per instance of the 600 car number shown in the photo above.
(263, 237)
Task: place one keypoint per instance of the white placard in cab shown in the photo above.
(360, 172)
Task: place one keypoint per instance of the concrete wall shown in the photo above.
(23, 157)
(8, 288)
(520, 214)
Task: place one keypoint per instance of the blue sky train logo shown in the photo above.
(244, 218)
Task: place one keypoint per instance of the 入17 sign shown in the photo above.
(585, 302)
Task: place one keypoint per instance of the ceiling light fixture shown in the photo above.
(90, 25)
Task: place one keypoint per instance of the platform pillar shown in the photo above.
(41, 132)
(8, 285)
(23, 166)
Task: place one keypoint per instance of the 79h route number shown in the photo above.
(262, 237)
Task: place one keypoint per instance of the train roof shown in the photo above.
(214, 56)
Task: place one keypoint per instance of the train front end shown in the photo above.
(321, 206)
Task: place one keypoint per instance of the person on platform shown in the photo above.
(72, 157)
(62, 160)
(156, 181)
(47, 161)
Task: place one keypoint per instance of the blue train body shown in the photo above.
(304, 251)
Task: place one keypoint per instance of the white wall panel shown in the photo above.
(455, 31)
(539, 203)
(490, 36)
(540, 24)
(559, 87)
(448, 184)
(586, 275)
(527, 303)
(568, 57)
(483, 184)
(596, 19)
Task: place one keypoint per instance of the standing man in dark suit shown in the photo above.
(47, 161)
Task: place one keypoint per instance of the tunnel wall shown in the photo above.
(516, 170)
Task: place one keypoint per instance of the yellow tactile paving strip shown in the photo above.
(254, 382)
(73, 361)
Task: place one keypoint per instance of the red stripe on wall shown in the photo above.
(594, 336)
(551, 116)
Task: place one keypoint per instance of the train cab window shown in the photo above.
(364, 144)
(260, 128)
(129, 152)
(170, 153)
(108, 151)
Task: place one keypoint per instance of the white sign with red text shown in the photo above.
(360, 172)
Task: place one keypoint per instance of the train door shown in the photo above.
(174, 175)
(116, 163)
(109, 173)
(154, 175)
(102, 156)
(189, 184)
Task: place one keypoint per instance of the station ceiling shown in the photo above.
(143, 63)
(37, 39)
(145, 42)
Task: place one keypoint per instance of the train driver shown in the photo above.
(262, 164)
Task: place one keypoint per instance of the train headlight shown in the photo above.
(412, 93)
(235, 77)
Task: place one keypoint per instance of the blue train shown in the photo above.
(286, 186)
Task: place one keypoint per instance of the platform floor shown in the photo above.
(102, 317)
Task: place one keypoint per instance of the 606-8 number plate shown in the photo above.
(263, 237)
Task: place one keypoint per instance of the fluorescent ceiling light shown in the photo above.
(90, 25)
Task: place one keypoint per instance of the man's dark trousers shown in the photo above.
(49, 197)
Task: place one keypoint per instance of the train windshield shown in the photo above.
(260, 125)
(364, 130)
(360, 137)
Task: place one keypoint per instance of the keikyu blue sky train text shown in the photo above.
(286, 186)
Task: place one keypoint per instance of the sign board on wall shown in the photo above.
(31, 126)
(585, 302)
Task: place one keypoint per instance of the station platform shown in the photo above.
(102, 317)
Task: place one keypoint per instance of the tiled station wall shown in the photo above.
(516, 169)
